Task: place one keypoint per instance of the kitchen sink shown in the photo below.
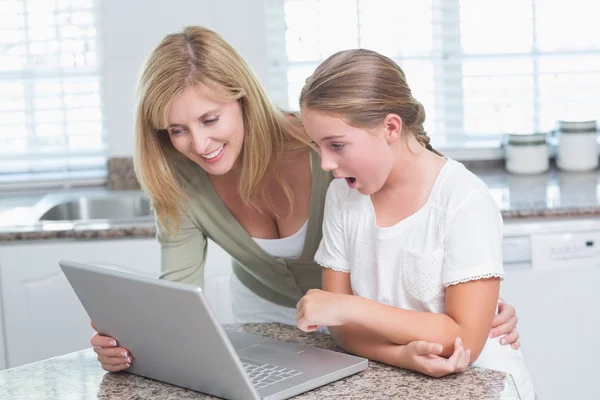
(87, 208)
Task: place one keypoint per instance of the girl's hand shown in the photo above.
(111, 357)
(319, 308)
(505, 325)
(424, 358)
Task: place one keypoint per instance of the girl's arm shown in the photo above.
(470, 309)
(354, 337)
(419, 356)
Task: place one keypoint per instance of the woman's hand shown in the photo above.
(320, 308)
(111, 357)
(505, 325)
(424, 357)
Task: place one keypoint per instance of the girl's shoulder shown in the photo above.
(458, 188)
(459, 179)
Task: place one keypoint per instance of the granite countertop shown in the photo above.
(555, 194)
(20, 213)
(79, 376)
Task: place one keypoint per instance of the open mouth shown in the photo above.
(351, 182)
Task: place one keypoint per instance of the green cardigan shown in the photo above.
(280, 280)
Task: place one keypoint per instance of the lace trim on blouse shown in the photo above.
(475, 278)
(333, 268)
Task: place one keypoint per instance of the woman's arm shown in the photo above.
(504, 325)
(183, 254)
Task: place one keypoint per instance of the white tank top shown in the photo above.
(287, 247)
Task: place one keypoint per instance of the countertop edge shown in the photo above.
(148, 230)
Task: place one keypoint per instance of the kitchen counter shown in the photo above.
(555, 194)
(20, 213)
(78, 375)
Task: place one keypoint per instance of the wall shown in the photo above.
(130, 29)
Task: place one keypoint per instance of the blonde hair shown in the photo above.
(363, 87)
(198, 57)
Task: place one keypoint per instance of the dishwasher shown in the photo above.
(552, 274)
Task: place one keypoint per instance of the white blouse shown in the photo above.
(455, 237)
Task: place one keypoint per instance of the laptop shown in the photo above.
(173, 336)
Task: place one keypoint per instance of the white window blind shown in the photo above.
(480, 67)
(50, 108)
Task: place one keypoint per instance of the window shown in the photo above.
(50, 108)
(481, 68)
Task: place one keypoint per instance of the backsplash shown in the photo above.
(483, 164)
(121, 175)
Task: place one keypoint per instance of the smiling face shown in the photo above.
(207, 131)
(365, 159)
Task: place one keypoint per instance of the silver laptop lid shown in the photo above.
(170, 336)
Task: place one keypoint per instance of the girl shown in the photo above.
(220, 161)
(411, 244)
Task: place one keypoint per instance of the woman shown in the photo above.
(220, 161)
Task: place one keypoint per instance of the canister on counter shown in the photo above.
(577, 145)
(527, 153)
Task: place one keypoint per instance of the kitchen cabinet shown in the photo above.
(42, 316)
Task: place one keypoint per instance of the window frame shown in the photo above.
(84, 175)
(447, 52)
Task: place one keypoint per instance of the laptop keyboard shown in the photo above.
(262, 374)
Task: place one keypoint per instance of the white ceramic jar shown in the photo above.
(577, 145)
(527, 153)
